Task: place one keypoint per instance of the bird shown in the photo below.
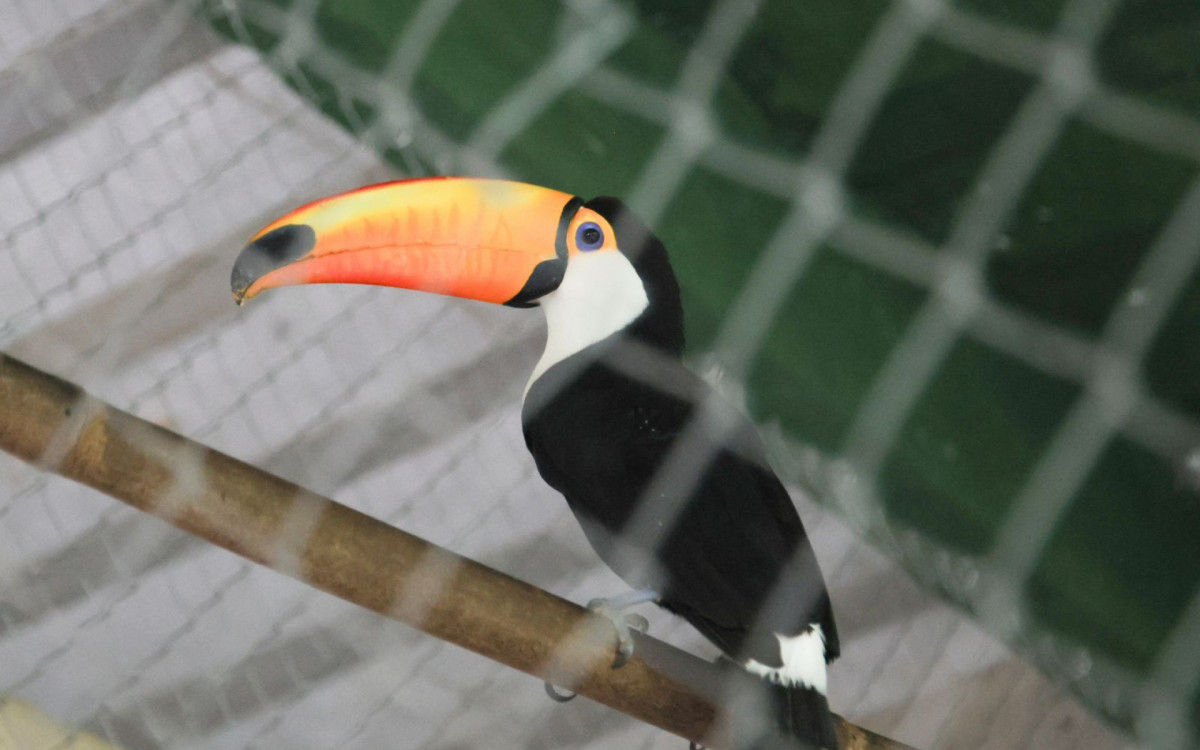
(668, 480)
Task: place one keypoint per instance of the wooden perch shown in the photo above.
(58, 427)
(24, 727)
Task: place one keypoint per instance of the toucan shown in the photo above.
(669, 482)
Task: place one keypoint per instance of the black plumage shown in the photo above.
(600, 432)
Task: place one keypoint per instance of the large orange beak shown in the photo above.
(490, 240)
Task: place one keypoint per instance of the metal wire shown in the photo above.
(155, 167)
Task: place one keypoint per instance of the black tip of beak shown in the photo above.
(275, 249)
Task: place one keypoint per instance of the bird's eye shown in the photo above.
(589, 236)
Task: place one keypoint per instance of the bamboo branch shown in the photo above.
(58, 427)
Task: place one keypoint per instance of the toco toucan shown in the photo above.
(670, 485)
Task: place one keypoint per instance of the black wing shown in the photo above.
(600, 437)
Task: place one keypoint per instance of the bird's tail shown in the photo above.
(804, 714)
(798, 718)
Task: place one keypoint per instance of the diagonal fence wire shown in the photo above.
(959, 304)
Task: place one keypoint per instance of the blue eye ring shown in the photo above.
(589, 236)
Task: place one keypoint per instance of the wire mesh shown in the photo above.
(141, 149)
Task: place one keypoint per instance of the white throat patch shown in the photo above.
(600, 294)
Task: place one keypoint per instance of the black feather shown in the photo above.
(599, 436)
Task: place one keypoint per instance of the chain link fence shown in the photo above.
(139, 149)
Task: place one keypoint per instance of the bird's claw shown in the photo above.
(557, 696)
(625, 624)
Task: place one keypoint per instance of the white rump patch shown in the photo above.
(600, 294)
(803, 659)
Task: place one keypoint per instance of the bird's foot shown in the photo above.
(625, 624)
(613, 608)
